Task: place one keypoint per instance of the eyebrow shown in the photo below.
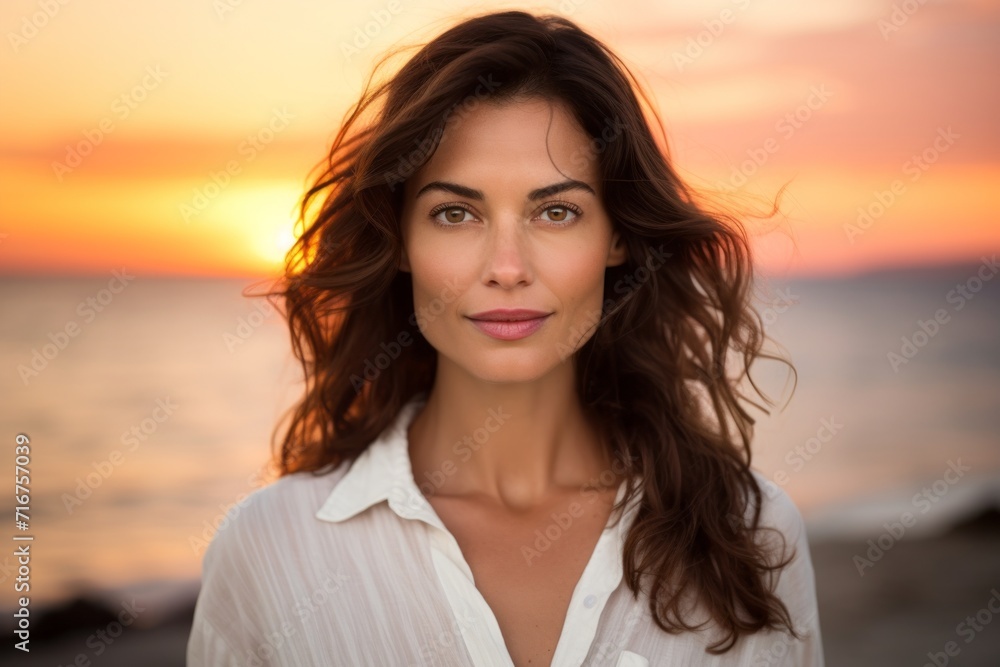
(472, 193)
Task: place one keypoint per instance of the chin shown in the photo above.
(512, 365)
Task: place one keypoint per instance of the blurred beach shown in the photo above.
(155, 417)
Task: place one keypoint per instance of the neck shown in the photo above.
(516, 445)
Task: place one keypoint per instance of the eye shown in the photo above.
(561, 213)
(452, 215)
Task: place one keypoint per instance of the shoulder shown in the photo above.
(296, 491)
(250, 574)
(257, 521)
(785, 533)
(778, 510)
(781, 528)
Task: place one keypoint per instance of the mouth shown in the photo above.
(509, 324)
(508, 315)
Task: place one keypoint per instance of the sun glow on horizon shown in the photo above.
(188, 173)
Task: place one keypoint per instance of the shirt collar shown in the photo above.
(384, 472)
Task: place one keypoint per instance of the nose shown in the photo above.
(507, 262)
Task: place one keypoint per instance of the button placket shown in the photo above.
(483, 638)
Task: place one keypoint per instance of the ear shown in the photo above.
(404, 261)
(617, 254)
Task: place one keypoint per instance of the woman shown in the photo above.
(514, 321)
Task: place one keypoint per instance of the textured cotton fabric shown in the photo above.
(355, 568)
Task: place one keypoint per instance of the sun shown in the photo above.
(281, 242)
(263, 215)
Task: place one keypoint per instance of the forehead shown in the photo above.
(525, 143)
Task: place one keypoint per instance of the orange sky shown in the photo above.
(837, 97)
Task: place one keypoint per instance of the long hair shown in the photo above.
(655, 371)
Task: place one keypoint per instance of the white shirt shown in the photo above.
(319, 570)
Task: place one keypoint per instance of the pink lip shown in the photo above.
(509, 324)
(508, 315)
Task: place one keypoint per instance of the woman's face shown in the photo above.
(507, 214)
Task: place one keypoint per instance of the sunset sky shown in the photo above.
(116, 115)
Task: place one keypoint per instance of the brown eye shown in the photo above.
(451, 215)
(560, 213)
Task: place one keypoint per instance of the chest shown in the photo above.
(527, 567)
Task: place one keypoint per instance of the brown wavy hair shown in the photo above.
(655, 370)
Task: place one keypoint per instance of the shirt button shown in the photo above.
(589, 601)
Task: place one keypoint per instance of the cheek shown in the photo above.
(436, 273)
(578, 281)
(579, 278)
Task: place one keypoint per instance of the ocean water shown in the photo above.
(151, 404)
(899, 387)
